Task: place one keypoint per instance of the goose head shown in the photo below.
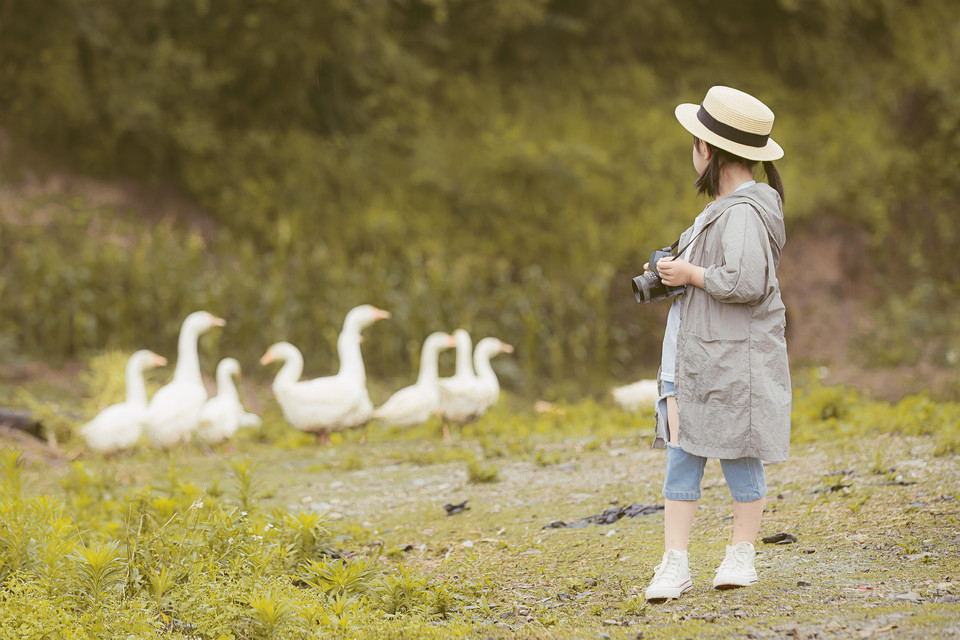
(227, 369)
(146, 359)
(488, 348)
(363, 316)
(438, 341)
(282, 351)
(200, 321)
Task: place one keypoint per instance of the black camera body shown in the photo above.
(648, 287)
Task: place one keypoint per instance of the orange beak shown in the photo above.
(506, 348)
(267, 357)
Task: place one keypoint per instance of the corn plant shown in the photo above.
(100, 571)
(271, 612)
(403, 592)
(248, 486)
(308, 537)
(160, 583)
(56, 541)
(339, 613)
(338, 577)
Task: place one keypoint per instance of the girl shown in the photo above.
(725, 382)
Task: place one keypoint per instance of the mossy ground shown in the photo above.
(876, 519)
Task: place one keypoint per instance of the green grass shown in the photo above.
(273, 536)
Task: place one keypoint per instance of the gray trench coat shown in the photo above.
(732, 377)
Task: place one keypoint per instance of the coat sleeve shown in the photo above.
(742, 276)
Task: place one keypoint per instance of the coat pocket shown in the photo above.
(714, 371)
(709, 319)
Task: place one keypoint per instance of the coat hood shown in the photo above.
(770, 208)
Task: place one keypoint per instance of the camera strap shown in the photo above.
(690, 242)
(702, 229)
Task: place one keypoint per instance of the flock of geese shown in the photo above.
(182, 409)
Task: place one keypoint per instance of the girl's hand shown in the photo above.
(675, 272)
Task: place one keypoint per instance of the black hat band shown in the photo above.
(731, 133)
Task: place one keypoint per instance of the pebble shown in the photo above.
(909, 596)
(804, 583)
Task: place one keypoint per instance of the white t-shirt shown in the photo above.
(668, 354)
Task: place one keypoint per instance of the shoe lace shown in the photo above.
(735, 558)
(669, 569)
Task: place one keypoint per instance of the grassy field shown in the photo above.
(876, 521)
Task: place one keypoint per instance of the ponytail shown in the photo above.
(773, 178)
(708, 182)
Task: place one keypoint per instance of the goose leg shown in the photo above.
(323, 438)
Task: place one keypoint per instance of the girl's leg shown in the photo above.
(677, 514)
(746, 520)
(746, 480)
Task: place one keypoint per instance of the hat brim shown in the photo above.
(687, 115)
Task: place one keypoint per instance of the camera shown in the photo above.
(648, 287)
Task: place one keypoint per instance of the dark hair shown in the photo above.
(709, 180)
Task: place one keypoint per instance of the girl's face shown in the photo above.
(701, 156)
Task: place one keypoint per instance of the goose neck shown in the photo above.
(291, 370)
(485, 372)
(136, 387)
(429, 361)
(188, 360)
(225, 385)
(348, 350)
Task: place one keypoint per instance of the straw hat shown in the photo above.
(733, 121)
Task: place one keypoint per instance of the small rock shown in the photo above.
(785, 495)
(780, 538)
(453, 509)
(909, 596)
(809, 550)
(804, 583)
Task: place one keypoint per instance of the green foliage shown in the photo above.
(337, 577)
(271, 612)
(168, 563)
(839, 412)
(309, 537)
(248, 487)
(99, 571)
(479, 471)
(503, 167)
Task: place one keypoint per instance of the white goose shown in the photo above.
(466, 400)
(174, 411)
(223, 415)
(335, 402)
(632, 396)
(119, 426)
(463, 380)
(416, 403)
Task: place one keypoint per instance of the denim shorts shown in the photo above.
(745, 477)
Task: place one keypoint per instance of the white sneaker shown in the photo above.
(672, 576)
(736, 570)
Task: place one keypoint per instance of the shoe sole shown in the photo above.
(666, 593)
(734, 585)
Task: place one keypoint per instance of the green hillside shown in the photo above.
(504, 166)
